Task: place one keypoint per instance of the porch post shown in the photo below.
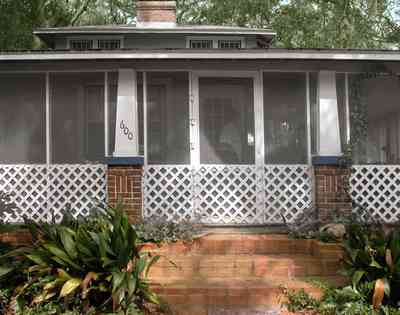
(330, 175)
(125, 168)
(126, 125)
(329, 133)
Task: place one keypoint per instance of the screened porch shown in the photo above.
(220, 147)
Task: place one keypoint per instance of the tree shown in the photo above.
(302, 23)
(298, 23)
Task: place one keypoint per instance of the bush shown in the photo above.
(344, 301)
(159, 230)
(373, 256)
(80, 265)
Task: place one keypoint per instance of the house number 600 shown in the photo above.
(126, 130)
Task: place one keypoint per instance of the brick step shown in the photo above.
(258, 244)
(238, 266)
(207, 294)
(224, 310)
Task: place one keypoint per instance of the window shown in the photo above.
(168, 117)
(222, 42)
(80, 44)
(285, 118)
(109, 44)
(201, 44)
(230, 44)
(95, 43)
(77, 102)
(375, 118)
(22, 118)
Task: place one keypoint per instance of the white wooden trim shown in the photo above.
(48, 120)
(259, 119)
(309, 157)
(194, 120)
(145, 124)
(226, 74)
(348, 126)
(106, 115)
(205, 55)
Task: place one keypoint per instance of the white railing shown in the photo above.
(376, 188)
(43, 192)
(227, 194)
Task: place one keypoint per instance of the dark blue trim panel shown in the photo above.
(327, 160)
(134, 160)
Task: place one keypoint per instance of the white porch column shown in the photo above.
(126, 124)
(329, 132)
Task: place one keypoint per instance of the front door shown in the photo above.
(223, 137)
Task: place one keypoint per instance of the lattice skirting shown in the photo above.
(377, 189)
(43, 192)
(227, 194)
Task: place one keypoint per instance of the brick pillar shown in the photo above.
(125, 183)
(331, 196)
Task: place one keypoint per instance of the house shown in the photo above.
(205, 123)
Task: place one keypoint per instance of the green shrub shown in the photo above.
(344, 301)
(81, 264)
(373, 254)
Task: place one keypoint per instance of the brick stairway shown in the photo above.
(222, 274)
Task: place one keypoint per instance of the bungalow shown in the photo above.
(203, 123)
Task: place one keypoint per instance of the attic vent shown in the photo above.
(109, 44)
(230, 44)
(81, 44)
(201, 44)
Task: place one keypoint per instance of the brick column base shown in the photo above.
(125, 183)
(331, 195)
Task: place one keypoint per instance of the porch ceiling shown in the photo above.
(188, 54)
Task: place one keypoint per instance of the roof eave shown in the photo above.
(206, 55)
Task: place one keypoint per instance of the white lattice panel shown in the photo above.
(76, 188)
(168, 192)
(288, 191)
(41, 191)
(377, 189)
(28, 185)
(227, 194)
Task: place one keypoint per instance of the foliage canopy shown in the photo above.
(298, 23)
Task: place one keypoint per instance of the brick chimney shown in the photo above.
(157, 14)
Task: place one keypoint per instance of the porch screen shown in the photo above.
(285, 118)
(22, 118)
(226, 120)
(77, 103)
(375, 118)
(168, 117)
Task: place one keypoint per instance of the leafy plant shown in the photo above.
(343, 301)
(94, 262)
(373, 256)
(159, 230)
